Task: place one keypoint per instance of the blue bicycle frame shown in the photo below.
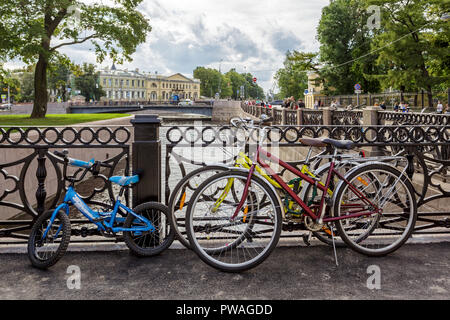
(72, 198)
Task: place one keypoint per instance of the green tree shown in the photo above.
(59, 79)
(292, 79)
(413, 45)
(237, 81)
(89, 83)
(210, 79)
(34, 31)
(344, 38)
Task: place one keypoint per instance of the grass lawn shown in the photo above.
(55, 120)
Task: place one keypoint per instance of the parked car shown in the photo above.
(277, 104)
(6, 106)
(186, 102)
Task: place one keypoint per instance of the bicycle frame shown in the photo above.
(360, 209)
(72, 198)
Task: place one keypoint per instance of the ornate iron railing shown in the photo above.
(415, 118)
(28, 152)
(425, 148)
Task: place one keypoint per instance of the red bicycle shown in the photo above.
(234, 219)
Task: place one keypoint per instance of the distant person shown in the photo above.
(301, 104)
(439, 107)
(316, 105)
(447, 109)
(383, 105)
(396, 107)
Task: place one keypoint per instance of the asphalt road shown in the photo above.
(418, 271)
(52, 108)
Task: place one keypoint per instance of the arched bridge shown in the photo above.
(204, 110)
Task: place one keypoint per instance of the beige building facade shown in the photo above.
(125, 85)
(314, 91)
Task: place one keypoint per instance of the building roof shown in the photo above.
(136, 74)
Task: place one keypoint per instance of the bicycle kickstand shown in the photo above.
(334, 247)
(307, 239)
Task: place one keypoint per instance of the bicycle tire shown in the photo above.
(36, 232)
(266, 251)
(150, 246)
(178, 217)
(372, 236)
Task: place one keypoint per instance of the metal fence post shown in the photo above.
(146, 158)
(370, 120)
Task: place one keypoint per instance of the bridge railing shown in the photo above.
(31, 179)
(426, 151)
(136, 102)
(329, 116)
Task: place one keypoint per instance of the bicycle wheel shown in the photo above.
(147, 244)
(181, 195)
(227, 242)
(390, 205)
(44, 253)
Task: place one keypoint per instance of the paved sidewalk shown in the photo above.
(419, 271)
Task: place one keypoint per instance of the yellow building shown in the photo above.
(125, 85)
(162, 88)
(314, 91)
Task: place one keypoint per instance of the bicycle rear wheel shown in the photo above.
(181, 195)
(229, 243)
(390, 204)
(147, 244)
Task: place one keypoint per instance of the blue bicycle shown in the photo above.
(146, 229)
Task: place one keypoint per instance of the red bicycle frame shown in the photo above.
(360, 209)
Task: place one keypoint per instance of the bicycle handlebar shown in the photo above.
(92, 165)
(236, 121)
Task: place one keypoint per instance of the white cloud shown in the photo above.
(247, 34)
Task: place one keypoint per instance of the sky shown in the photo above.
(248, 35)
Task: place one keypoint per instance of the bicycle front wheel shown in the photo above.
(386, 199)
(228, 240)
(45, 252)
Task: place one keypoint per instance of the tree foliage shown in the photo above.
(293, 79)
(88, 83)
(34, 30)
(409, 51)
(413, 45)
(229, 83)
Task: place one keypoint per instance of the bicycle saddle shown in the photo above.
(124, 181)
(323, 142)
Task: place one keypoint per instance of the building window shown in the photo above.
(128, 83)
(104, 82)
